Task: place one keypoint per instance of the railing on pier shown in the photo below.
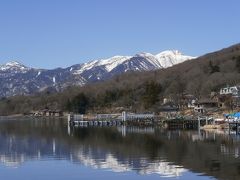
(108, 116)
(184, 123)
(132, 116)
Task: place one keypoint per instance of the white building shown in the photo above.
(234, 91)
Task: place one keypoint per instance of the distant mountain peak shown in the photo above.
(169, 52)
(13, 65)
(169, 58)
(144, 54)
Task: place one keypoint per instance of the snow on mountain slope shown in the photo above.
(109, 64)
(170, 58)
(151, 58)
(162, 60)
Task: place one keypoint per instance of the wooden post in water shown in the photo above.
(228, 127)
(199, 125)
(69, 128)
(236, 128)
(69, 118)
(123, 130)
(124, 116)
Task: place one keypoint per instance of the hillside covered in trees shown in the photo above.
(139, 91)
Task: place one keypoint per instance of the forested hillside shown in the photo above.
(140, 91)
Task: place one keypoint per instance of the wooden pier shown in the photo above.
(132, 119)
(186, 123)
(111, 119)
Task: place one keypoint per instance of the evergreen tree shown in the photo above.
(79, 104)
(151, 94)
(213, 68)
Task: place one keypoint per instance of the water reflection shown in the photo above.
(113, 163)
(121, 149)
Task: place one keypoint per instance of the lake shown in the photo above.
(49, 149)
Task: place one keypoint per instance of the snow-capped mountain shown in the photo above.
(16, 78)
(13, 67)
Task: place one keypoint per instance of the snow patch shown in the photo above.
(39, 73)
(54, 80)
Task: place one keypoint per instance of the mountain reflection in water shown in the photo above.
(121, 149)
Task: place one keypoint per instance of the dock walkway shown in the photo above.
(112, 119)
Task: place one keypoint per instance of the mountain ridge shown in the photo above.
(18, 79)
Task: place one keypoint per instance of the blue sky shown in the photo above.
(59, 33)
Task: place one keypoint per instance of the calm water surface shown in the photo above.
(49, 149)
